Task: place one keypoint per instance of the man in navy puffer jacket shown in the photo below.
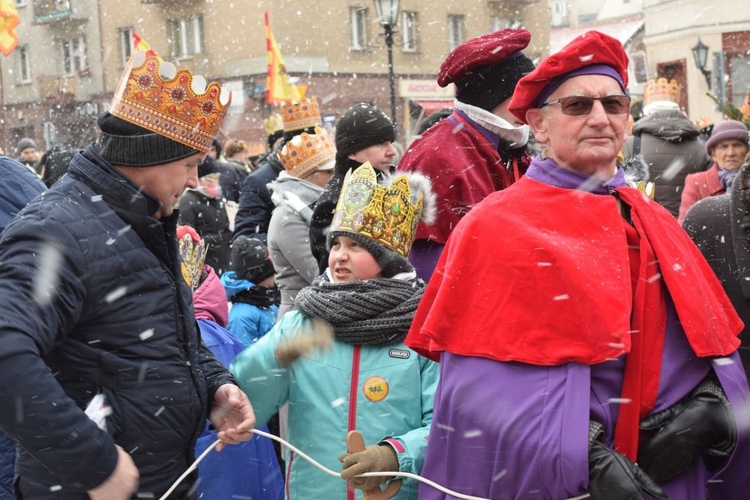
(18, 186)
(95, 306)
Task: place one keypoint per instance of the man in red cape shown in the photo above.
(481, 147)
(579, 330)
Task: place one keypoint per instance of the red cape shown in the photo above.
(531, 276)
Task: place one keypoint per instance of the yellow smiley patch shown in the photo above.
(375, 388)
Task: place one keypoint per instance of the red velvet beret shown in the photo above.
(590, 48)
(481, 52)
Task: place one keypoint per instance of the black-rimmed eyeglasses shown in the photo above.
(579, 105)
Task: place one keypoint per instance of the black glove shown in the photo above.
(701, 424)
(613, 477)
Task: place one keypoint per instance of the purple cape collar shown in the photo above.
(549, 172)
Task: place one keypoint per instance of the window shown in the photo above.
(126, 43)
(187, 36)
(24, 64)
(409, 29)
(455, 31)
(74, 56)
(740, 78)
(22, 3)
(358, 18)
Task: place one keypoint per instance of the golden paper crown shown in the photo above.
(662, 90)
(384, 214)
(171, 103)
(302, 114)
(306, 152)
(273, 124)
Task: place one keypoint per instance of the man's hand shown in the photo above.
(232, 415)
(121, 484)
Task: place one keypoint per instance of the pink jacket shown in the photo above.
(698, 186)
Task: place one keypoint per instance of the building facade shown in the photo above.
(72, 52)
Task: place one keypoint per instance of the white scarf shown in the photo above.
(516, 136)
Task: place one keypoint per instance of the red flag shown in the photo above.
(8, 21)
(278, 88)
(140, 44)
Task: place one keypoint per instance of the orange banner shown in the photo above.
(8, 21)
(140, 44)
(278, 88)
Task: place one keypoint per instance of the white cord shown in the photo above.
(333, 473)
(190, 469)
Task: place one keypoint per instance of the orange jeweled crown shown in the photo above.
(302, 114)
(306, 152)
(384, 214)
(175, 104)
(273, 124)
(662, 90)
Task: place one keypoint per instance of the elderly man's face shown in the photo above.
(587, 143)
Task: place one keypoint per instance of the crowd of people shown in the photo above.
(538, 298)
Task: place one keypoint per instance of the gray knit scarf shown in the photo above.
(369, 312)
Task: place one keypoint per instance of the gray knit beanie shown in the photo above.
(25, 143)
(125, 144)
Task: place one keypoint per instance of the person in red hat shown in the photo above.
(579, 330)
(481, 147)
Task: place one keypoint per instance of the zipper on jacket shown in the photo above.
(289, 473)
(353, 389)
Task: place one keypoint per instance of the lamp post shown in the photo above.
(700, 55)
(387, 12)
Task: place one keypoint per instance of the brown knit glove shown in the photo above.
(376, 458)
(319, 336)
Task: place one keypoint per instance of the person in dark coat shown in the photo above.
(254, 212)
(231, 179)
(203, 208)
(363, 134)
(18, 186)
(718, 225)
(668, 142)
(54, 164)
(111, 384)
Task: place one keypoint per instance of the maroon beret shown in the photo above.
(588, 49)
(481, 52)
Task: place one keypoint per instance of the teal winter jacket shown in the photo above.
(385, 392)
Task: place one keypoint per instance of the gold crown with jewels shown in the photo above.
(273, 124)
(172, 103)
(385, 214)
(306, 152)
(302, 114)
(662, 90)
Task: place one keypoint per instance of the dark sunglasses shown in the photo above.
(579, 105)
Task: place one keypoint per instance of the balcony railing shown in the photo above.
(50, 11)
(57, 89)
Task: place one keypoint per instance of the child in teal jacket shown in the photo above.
(366, 378)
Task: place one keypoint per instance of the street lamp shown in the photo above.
(700, 55)
(387, 12)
